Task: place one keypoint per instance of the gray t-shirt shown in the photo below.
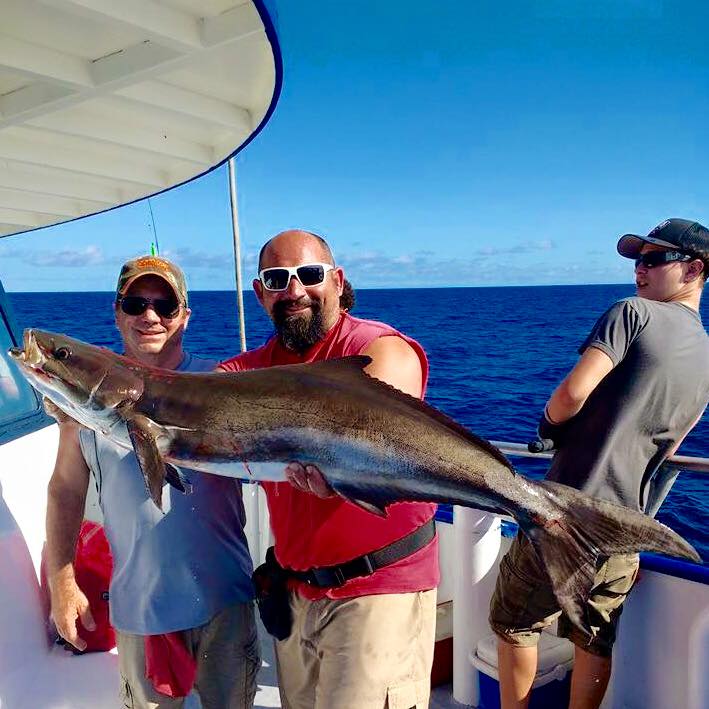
(178, 568)
(657, 389)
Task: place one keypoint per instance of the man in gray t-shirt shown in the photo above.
(181, 592)
(640, 385)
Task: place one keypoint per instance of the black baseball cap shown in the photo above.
(679, 234)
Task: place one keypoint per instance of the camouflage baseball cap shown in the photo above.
(153, 266)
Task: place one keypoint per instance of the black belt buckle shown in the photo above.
(363, 566)
(332, 577)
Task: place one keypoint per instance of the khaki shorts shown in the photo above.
(524, 603)
(371, 652)
(227, 653)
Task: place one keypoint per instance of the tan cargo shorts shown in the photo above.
(369, 652)
(524, 603)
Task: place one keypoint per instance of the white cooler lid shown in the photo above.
(553, 651)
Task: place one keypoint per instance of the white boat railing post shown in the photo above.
(477, 545)
(699, 654)
(250, 492)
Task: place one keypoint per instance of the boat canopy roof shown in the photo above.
(103, 103)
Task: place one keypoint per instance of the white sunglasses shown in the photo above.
(308, 274)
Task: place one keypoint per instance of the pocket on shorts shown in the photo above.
(412, 695)
(126, 694)
(619, 575)
(252, 653)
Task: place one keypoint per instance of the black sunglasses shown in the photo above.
(658, 258)
(136, 305)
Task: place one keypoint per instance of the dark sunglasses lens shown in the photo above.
(275, 278)
(657, 258)
(166, 307)
(133, 305)
(311, 275)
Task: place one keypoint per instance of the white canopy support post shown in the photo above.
(699, 657)
(237, 252)
(250, 492)
(477, 545)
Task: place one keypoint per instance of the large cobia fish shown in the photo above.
(374, 444)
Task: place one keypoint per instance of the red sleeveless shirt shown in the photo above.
(310, 531)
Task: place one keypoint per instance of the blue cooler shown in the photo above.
(550, 689)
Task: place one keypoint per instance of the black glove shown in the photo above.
(552, 435)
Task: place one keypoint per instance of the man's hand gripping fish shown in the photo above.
(374, 444)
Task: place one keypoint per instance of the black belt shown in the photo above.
(367, 564)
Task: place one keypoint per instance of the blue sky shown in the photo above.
(440, 144)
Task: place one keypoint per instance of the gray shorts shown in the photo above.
(227, 653)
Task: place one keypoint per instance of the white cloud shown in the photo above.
(191, 258)
(524, 247)
(421, 269)
(66, 258)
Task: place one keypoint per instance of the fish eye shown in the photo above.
(62, 353)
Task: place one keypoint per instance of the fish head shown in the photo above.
(83, 380)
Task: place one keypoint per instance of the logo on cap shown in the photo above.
(152, 262)
(659, 227)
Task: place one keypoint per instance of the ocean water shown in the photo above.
(496, 354)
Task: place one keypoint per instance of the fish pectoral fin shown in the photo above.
(369, 507)
(177, 479)
(143, 438)
(373, 503)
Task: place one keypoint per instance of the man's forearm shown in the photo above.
(570, 396)
(65, 512)
(562, 406)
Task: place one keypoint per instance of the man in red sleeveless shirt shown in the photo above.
(363, 641)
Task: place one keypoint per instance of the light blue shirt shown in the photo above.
(174, 569)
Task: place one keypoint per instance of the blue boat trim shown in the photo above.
(445, 514)
(675, 567)
(509, 529)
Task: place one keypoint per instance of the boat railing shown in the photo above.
(683, 462)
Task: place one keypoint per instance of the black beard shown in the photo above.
(298, 332)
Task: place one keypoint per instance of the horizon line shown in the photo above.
(360, 288)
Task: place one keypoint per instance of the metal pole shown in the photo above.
(684, 462)
(237, 252)
(250, 492)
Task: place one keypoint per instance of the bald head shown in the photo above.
(294, 241)
(302, 313)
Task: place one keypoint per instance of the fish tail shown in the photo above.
(585, 528)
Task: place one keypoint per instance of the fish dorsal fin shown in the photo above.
(445, 420)
(351, 368)
(339, 368)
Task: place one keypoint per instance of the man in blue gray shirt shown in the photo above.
(185, 569)
(640, 385)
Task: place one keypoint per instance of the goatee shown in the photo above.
(299, 332)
